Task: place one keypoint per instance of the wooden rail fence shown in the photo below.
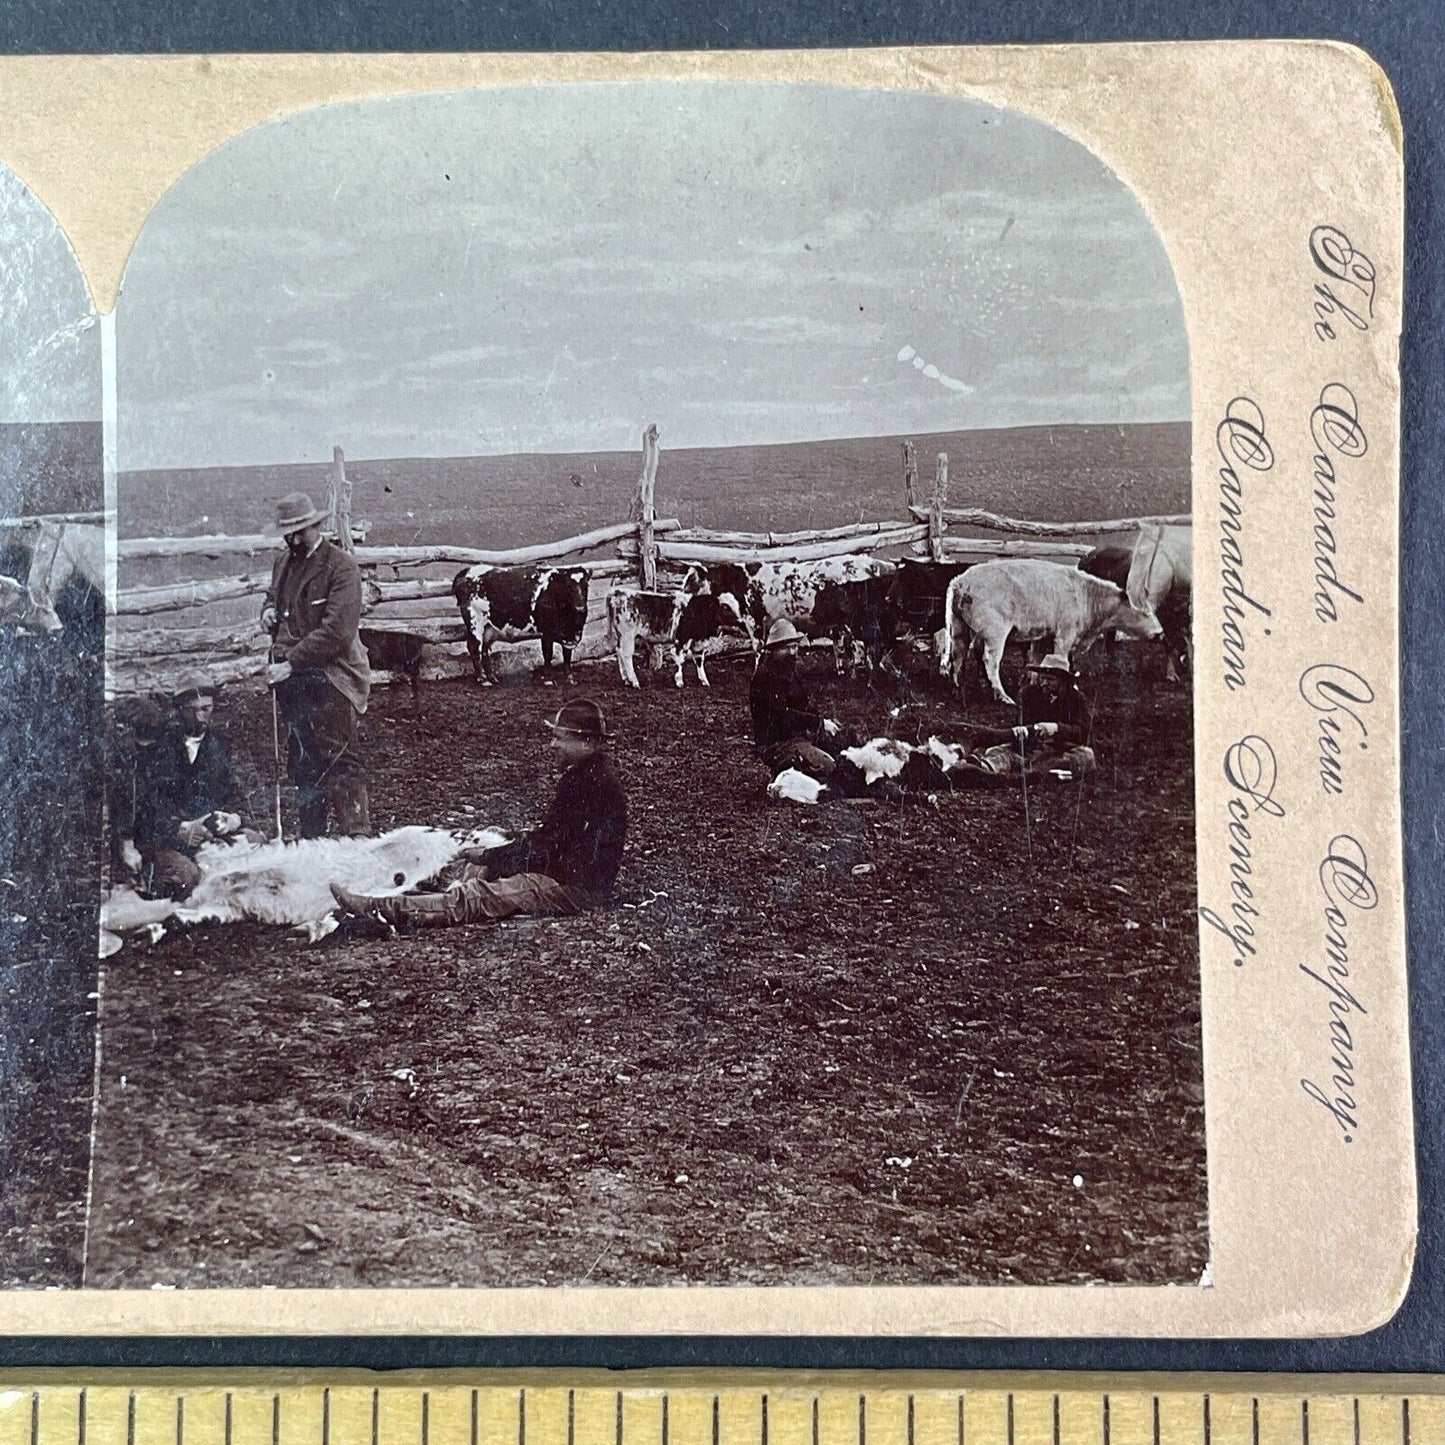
(650, 550)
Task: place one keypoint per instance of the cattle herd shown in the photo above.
(863, 605)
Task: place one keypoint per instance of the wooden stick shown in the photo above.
(910, 474)
(671, 551)
(341, 484)
(646, 511)
(782, 539)
(142, 601)
(937, 522)
(977, 517)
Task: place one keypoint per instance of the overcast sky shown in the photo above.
(49, 341)
(550, 268)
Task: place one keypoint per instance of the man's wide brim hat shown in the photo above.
(581, 720)
(193, 684)
(1054, 662)
(295, 511)
(782, 631)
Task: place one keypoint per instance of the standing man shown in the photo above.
(565, 865)
(319, 670)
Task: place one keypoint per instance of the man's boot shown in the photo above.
(418, 909)
(350, 808)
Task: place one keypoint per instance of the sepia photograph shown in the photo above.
(649, 726)
(52, 660)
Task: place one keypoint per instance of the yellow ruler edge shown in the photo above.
(712, 1407)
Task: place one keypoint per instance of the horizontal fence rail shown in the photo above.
(978, 517)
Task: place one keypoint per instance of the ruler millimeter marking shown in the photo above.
(800, 1411)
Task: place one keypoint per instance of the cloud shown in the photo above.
(928, 369)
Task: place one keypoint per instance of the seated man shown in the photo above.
(139, 724)
(566, 865)
(191, 798)
(1055, 724)
(788, 732)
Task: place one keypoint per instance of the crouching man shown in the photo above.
(788, 730)
(567, 864)
(190, 795)
(1055, 727)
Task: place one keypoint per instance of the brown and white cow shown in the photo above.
(516, 604)
(1033, 599)
(679, 619)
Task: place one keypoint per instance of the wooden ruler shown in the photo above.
(706, 1408)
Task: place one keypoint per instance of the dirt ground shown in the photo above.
(894, 1043)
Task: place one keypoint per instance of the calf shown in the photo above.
(856, 614)
(513, 604)
(1033, 599)
(390, 650)
(681, 619)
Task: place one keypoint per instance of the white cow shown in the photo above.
(770, 590)
(1161, 577)
(1035, 600)
(288, 883)
(61, 551)
(680, 619)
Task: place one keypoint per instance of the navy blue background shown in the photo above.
(1408, 39)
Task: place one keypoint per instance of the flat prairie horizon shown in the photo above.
(1075, 472)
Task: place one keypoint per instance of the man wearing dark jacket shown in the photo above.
(1055, 723)
(190, 795)
(319, 670)
(788, 731)
(567, 864)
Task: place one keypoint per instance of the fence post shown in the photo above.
(644, 510)
(339, 498)
(936, 524)
(910, 476)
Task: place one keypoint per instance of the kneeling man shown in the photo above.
(567, 864)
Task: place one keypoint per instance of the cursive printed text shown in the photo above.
(1338, 435)
(1241, 444)
(1252, 771)
(1339, 696)
(1347, 297)
(1346, 883)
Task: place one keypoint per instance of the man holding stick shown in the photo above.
(319, 671)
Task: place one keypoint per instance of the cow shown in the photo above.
(14, 604)
(60, 574)
(513, 604)
(681, 619)
(856, 614)
(917, 598)
(289, 883)
(767, 591)
(1110, 563)
(1035, 600)
(1161, 577)
(389, 649)
(918, 590)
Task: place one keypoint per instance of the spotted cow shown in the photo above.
(513, 604)
(679, 619)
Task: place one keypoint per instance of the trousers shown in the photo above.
(323, 756)
(801, 754)
(477, 899)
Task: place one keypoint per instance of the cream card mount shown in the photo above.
(1098, 1028)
